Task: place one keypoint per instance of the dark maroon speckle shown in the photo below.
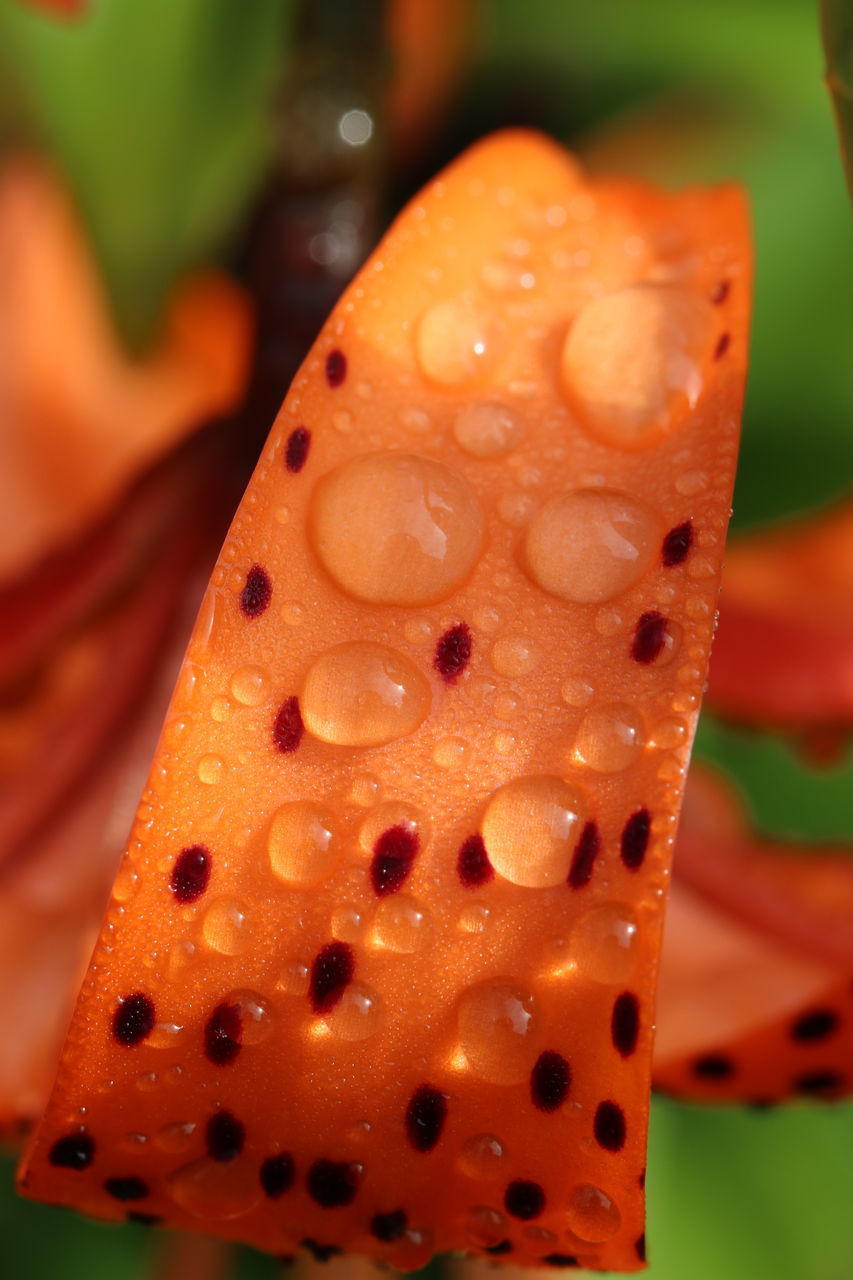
(133, 1020)
(625, 1023)
(472, 864)
(677, 544)
(223, 1034)
(502, 1246)
(257, 593)
(224, 1135)
(276, 1175)
(816, 1025)
(336, 368)
(713, 1066)
(393, 855)
(331, 974)
(583, 858)
(640, 1246)
(190, 874)
(126, 1188)
(650, 636)
(524, 1200)
(723, 344)
(425, 1117)
(720, 292)
(635, 839)
(453, 652)
(817, 1083)
(333, 1184)
(609, 1126)
(388, 1227)
(288, 728)
(296, 449)
(561, 1260)
(550, 1081)
(143, 1219)
(75, 1151)
(320, 1252)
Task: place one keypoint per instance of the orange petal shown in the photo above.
(389, 969)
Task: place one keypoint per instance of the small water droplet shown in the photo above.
(450, 753)
(292, 613)
(365, 790)
(220, 709)
(609, 738)
(393, 813)
(250, 685)
(604, 943)
(342, 421)
(576, 692)
(473, 918)
(487, 618)
(506, 706)
(668, 734)
(486, 1226)
(401, 924)
(212, 1189)
(175, 1138)
(226, 927)
(591, 545)
(515, 508)
(488, 430)
(165, 1035)
(515, 656)
(690, 483)
(348, 922)
(210, 770)
(482, 1157)
(529, 828)
(293, 979)
(362, 694)
(127, 881)
(496, 1022)
(591, 1214)
(458, 344)
(417, 420)
(303, 843)
(358, 1014)
(396, 528)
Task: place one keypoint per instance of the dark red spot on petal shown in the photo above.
(191, 873)
(333, 1184)
(583, 858)
(224, 1137)
(336, 368)
(720, 292)
(73, 1151)
(133, 1020)
(320, 1252)
(331, 974)
(635, 839)
(388, 1227)
(550, 1081)
(223, 1034)
(502, 1246)
(815, 1025)
(524, 1200)
(425, 1117)
(288, 728)
(257, 593)
(472, 864)
(650, 636)
(296, 449)
(713, 1066)
(393, 855)
(143, 1219)
(723, 343)
(277, 1174)
(640, 1246)
(677, 544)
(561, 1260)
(126, 1188)
(453, 652)
(819, 1083)
(609, 1126)
(625, 1023)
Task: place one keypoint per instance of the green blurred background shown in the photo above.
(159, 114)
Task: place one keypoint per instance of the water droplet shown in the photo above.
(209, 1188)
(303, 843)
(220, 709)
(590, 545)
(506, 706)
(342, 421)
(415, 420)
(250, 685)
(394, 813)
(474, 918)
(165, 1035)
(348, 922)
(514, 656)
(175, 1138)
(293, 979)
(458, 344)
(669, 733)
(632, 362)
(538, 1241)
(529, 829)
(256, 1015)
(413, 1250)
(515, 508)
(357, 1015)
(576, 692)
(604, 942)
(126, 882)
(362, 694)
(210, 770)
(486, 1226)
(450, 753)
(482, 1157)
(609, 738)
(396, 528)
(591, 1214)
(181, 955)
(691, 483)
(504, 743)
(401, 924)
(496, 1021)
(226, 927)
(292, 613)
(147, 1082)
(486, 618)
(365, 790)
(488, 430)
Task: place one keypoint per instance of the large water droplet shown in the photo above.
(591, 1214)
(591, 545)
(483, 1156)
(604, 943)
(496, 1021)
(226, 927)
(396, 528)
(610, 738)
(363, 695)
(530, 827)
(488, 430)
(458, 344)
(210, 1189)
(632, 363)
(303, 843)
(401, 924)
